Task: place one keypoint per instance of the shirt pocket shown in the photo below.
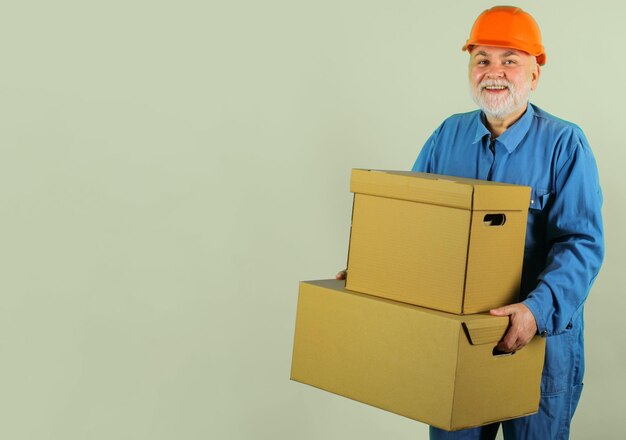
(539, 199)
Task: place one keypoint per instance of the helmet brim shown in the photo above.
(541, 57)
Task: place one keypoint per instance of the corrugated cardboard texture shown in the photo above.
(496, 388)
(409, 360)
(494, 262)
(419, 238)
(400, 249)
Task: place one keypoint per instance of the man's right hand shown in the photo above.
(342, 275)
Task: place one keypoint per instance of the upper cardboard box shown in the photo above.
(447, 243)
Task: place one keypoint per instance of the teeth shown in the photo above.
(495, 87)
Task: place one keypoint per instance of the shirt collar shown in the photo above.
(513, 135)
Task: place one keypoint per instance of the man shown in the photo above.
(510, 140)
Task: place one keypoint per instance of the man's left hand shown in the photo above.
(522, 327)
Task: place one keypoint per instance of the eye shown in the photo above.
(509, 62)
(482, 62)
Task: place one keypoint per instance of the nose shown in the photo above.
(494, 71)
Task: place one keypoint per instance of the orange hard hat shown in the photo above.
(507, 26)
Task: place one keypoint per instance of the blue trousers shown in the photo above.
(561, 386)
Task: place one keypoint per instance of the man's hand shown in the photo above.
(342, 275)
(522, 327)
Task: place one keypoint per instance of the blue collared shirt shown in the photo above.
(564, 238)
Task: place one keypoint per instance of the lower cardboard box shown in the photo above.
(435, 367)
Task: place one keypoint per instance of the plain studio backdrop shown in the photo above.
(170, 170)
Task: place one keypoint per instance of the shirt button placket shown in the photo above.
(492, 148)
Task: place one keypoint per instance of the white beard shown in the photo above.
(500, 106)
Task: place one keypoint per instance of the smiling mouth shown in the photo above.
(495, 88)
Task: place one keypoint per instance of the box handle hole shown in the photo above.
(494, 219)
(497, 352)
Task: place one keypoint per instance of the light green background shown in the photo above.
(170, 170)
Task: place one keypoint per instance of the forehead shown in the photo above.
(497, 52)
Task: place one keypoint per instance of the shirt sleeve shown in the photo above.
(425, 159)
(575, 236)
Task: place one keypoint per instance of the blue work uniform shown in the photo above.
(564, 243)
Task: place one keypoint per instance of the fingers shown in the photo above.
(510, 347)
(509, 343)
(502, 311)
(522, 327)
(514, 340)
(341, 275)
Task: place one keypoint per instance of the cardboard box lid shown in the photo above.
(436, 189)
(480, 328)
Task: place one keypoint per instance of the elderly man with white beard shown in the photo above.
(511, 140)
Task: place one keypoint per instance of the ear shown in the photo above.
(535, 74)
